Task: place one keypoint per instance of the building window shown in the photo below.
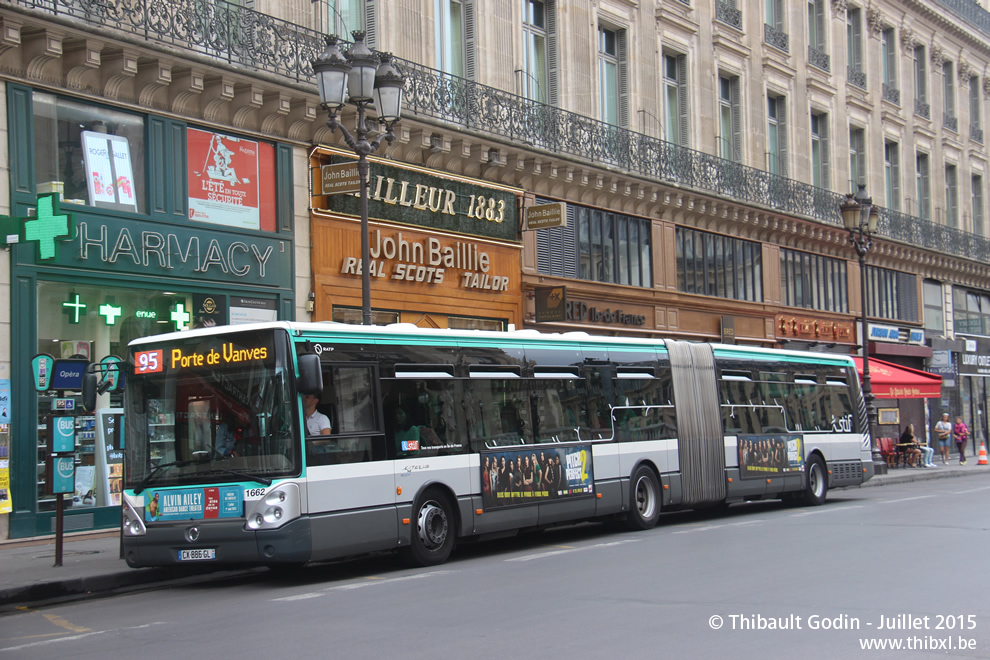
(970, 312)
(817, 43)
(730, 120)
(454, 33)
(774, 32)
(613, 94)
(676, 99)
(891, 294)
(598, 246)
(949, 119)
(345, 16)
(923, 181)
(934, 308)
(777, 135)
(951, 196)
(857, 158)
(892, 174)
(819, 150)
(888, 43)
(535, 82)
(854, 43)
(714, 265)
(89, 154)
(921, 106)
(813, 282)
(976, 191)
(975, 124)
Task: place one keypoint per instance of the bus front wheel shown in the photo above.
(433, 537)
(644, 499)
(816, 486)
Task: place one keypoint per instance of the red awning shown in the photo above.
(892, 381)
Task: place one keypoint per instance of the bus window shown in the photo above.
(348, 402)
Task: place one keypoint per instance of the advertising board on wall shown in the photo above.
(224, 177)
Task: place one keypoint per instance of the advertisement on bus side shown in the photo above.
(762, 456)
(535, 474)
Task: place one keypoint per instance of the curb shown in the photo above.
(912, 475)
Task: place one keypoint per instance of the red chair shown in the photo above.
(889, 451)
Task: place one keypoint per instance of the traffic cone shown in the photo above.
(983, 455)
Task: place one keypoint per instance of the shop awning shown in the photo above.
(892, 381)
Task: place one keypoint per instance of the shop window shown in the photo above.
(90, 155)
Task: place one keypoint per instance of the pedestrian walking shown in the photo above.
(943, 431)
(961, 433)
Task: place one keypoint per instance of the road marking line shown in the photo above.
(62, 623)
(76, 637)
(564, 549)
(906, 499)
(964, 492)
(298, 597)
(801, 514)
(708, 527)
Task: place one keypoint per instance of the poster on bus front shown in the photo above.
(769, 455)
(223, 179)
(539, 473)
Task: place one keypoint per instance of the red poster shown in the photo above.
(223, 179)
(211, 508)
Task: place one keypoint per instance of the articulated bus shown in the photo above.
(287, 443)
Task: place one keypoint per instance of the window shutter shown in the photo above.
(891, 58)
(925, 192)
(819, 25)
(469, 40)
(782, 134)
(682, 101)
(826, 179)
(552, 70)
(736, 120)
(623, 74)
(371, 23)
(778, 14)
(857, 44)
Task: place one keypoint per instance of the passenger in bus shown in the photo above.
(226, 438)
(405, 430)
(316, 422)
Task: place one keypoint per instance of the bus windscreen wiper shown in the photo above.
(155, 470)
(245, 475)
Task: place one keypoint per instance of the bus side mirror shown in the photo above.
(89, 385)
(310, 380)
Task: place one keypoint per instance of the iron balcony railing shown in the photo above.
(244, 37)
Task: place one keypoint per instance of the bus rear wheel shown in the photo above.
(644, 500)
(433, 536)
(816, 485)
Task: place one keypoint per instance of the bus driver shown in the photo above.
(316, 422)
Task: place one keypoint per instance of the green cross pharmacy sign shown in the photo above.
(49, 227)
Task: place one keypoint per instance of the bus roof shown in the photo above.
(397, 332)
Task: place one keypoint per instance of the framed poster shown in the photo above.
(109, 176)
(223, 179)
(889, 416)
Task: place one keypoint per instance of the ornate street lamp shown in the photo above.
(860, 217)
(367, 78)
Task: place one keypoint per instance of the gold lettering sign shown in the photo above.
(340, 178)
(544, 216)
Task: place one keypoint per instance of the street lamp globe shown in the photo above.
(389, 84)
(364, 66)
(331, 71)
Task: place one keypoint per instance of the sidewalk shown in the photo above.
(91, 563)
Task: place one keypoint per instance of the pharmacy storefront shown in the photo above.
(114, 237)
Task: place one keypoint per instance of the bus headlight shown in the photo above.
(132, 525)
(279, 506)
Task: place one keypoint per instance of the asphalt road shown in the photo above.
(835, 578)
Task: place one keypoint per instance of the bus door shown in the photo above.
(350, 482)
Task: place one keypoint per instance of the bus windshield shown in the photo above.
(211, 408)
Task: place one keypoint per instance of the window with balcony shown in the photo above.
(923, 186)
(892, 175)
(949, 119)
(774, 31)
(346, 16)
(975, 122)
(817, 41)
(612, 79)
(539, 75)
(677, 119)
(714, 265)
(454, 38)
(728, 12)
(777, 135)
(888, 47)
(976, 205)
(729, 118)
(857, 158)
(854, 45)
(921, 105)
(819, 150)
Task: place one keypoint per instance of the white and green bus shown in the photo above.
(286, 443)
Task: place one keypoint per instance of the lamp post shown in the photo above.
(860, 217)
(365, 78)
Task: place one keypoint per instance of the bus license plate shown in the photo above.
(194, 555)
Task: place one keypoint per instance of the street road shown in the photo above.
(836, 577)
